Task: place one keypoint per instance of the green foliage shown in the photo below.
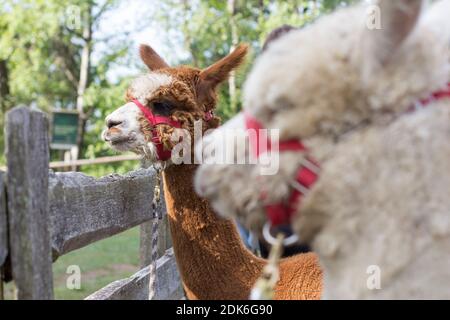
(204, 28)
(42, 48)
(42, 42)
(30, 31)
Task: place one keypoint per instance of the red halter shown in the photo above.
(281, 213)
(163, 154)
(437, 95)
(155, 120)
(308, 173)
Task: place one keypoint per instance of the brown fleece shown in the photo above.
(212, 260)
(151, 59)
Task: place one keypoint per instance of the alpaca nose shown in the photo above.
(112, 123)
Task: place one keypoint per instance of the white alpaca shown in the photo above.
(382, 200)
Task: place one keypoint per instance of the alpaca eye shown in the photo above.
(163, 108)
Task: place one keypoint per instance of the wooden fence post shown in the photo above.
(27, 154)
(3, 231)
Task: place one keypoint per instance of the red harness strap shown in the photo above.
(440, 94)
(281, 213)
(163, 154)
(308, 173)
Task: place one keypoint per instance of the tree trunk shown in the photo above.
(187, 35)
(231, 6)
(4, 85)
(83, 81)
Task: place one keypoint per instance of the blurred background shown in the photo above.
(74, 60)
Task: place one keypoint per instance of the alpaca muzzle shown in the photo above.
(163, 154)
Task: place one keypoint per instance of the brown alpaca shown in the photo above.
(212, 260)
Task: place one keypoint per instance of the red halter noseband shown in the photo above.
(155, 120)
(281, 213)
(308, 173)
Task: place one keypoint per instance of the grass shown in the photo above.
(101, 263)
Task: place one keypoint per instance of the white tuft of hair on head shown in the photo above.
(143, 86)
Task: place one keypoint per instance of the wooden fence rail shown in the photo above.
(76, 211)
(136, 287)
(84, 209)
(85, 162)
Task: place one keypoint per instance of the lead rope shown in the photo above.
(264, 287)
(156, 216)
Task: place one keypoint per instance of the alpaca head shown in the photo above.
(182, 94)
(344, 71)
(327, 82)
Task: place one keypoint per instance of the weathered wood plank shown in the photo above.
(27, 156)
(84, 209)
(168, 286)
(3, 221)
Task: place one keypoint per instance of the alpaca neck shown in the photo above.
(211, 258)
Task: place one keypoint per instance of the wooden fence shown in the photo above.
(85, 162)
(37, 227)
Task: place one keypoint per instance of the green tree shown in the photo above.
(53, 55)
(209, 29)
(46, 50)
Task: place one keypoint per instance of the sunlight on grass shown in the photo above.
(101, 263)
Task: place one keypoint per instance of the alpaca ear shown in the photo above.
(219, 71)
(397, 20)
(151, 59)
